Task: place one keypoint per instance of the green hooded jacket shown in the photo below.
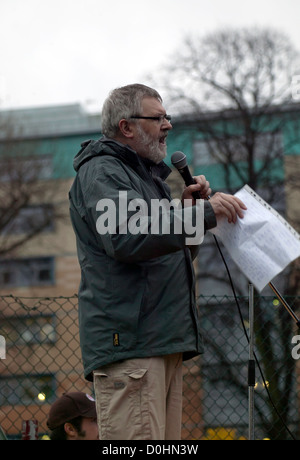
(136, 296)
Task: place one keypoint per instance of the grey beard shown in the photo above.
(149, 148)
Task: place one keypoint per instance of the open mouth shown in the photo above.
(162, 140)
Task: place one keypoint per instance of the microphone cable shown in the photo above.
(248, 340)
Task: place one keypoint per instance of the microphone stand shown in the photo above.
(251, 364)
(285, 304)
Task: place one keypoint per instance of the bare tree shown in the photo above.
(238, 69)
(234, 87)
(30, 200)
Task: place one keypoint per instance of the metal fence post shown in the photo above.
(251, 365)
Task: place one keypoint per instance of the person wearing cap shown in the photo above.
(73, 417)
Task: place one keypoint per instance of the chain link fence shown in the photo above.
(41, 359)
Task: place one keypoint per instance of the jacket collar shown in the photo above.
(129, 155)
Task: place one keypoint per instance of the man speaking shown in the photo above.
(138, 317)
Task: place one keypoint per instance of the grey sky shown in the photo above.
(65, 51)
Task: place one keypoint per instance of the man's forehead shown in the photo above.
(151, 103)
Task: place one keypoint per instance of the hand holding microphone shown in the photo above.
(224, 205)
(197, 187)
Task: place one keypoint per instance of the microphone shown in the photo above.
(178, 160)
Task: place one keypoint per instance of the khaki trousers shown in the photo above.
(140, 399)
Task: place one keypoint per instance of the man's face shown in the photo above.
(88, 430)
(150, 135)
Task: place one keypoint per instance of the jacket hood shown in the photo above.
(106, 146)
(91, 148)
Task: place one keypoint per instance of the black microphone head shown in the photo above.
(178, 160)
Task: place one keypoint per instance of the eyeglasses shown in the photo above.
(159, 118)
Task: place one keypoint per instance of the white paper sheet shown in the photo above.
(263, 243)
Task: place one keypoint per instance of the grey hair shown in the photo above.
(124, 102)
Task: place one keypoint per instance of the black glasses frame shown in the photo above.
(160, 118)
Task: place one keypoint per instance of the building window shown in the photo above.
(37, 271)
(29, 330)
(27, 389)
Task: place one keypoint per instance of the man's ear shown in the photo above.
(125, 127)
(71, 431)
